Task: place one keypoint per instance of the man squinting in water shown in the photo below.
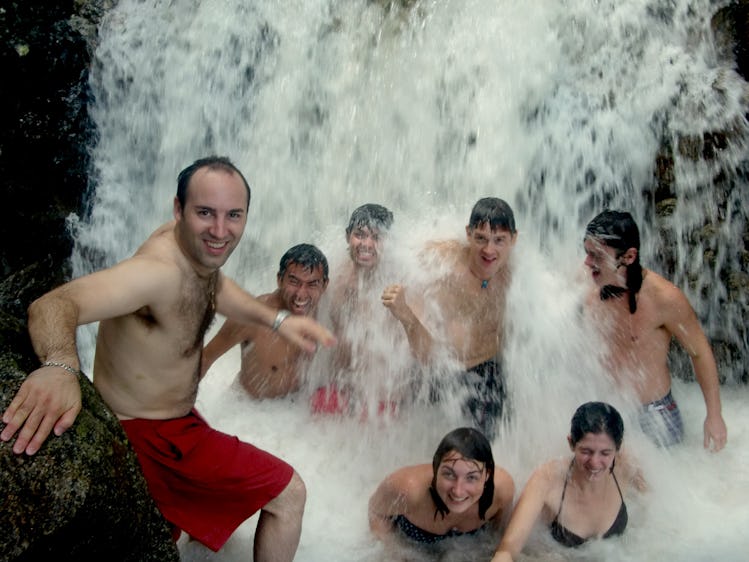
(638, 312)
(368, 361)
(270, 365)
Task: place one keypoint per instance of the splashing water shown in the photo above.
(425, 106)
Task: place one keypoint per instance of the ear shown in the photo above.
(628, 257)
(279, 277)
(177, 209)
(569, 442)
(468, 232)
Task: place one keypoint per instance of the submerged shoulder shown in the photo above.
(548, 476)
(404, 487)
(409, 479)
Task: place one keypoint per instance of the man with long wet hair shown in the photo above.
(638, 313)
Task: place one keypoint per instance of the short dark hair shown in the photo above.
(212, 163)
(493, 211)
(370, 215)
(472, 445)
(305, 255)
(597, 417)
(618, 230)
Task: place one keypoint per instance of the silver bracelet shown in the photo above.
(280, 317)
(65, 366)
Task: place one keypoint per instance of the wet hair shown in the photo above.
(372, 216)
(212, 163)
(492, 211)
(618, 230)
(305, 255)
(474, 446)
(597, 417)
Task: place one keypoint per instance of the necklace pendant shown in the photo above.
(484, 283)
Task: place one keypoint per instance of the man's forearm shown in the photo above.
(52, 325)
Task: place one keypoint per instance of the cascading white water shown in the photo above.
(425, 106)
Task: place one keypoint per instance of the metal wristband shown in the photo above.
(280, 317)
(64, 366)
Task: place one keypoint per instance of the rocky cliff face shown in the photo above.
(82, 497)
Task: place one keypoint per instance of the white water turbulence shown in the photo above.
(558, 107)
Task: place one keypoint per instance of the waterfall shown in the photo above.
(562, 108)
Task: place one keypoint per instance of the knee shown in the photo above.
(294, 496)
(290, 502)
(296, 491)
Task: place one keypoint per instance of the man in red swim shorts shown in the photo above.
(153, 311)
(199, 478)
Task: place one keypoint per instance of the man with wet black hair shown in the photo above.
(471, 299)
(356, 314)
(363, 235)
(638, 312)
(270, 366)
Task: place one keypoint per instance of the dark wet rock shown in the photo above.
(82, 496)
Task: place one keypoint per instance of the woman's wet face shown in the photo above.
(460, 481)
(594, 454)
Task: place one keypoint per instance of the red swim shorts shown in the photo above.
(204, 482)
(334, 401)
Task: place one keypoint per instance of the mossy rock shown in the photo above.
(82, 496)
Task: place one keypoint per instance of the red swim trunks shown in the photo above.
(335, 401)
(204, 482)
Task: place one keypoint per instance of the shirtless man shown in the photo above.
(638, 313)
(471, 301)
(358, 319)
(270, 365)
(154, 309)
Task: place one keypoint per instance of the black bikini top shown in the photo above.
(420, 535)
(566, 537)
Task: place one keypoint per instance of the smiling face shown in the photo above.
(460, 481)
(594, 455)
(301, 288)
(488, 250)
(364, 246)
(213, 219)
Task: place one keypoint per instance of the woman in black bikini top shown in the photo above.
(566, 537)
(581, 499)
(461, 492)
